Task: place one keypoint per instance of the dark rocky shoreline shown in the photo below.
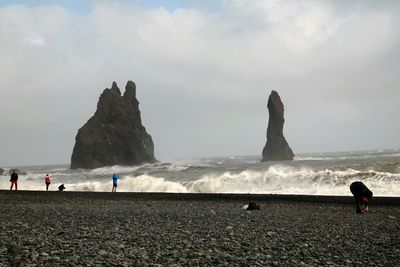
(144, 229)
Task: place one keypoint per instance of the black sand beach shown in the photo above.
(141, 229)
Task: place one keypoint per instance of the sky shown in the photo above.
(203, 71)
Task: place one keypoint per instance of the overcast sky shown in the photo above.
(203, 73)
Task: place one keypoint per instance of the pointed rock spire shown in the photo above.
(115, 89)
(130, 90)
(276, 147)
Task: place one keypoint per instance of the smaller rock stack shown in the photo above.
(276, 147)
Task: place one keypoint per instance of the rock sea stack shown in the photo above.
(114, 135)
(276, 147)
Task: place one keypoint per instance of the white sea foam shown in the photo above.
(347, 156)
(172, 167)
(276, 180)
(141, 183)
(115, 169)
(312, 158)
(288, 180)
(177, 167)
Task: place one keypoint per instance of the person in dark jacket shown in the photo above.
(14, 180)
(362, 195)
(61, 188)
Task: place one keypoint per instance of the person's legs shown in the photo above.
(358, 208)
(12, 185)
(47, 186)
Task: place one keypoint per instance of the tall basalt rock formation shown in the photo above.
(114, 135)
(276, 147)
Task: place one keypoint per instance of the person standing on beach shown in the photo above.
(115, 182)
(47, 180)
(362, 195)
(14, 180)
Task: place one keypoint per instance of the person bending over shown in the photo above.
(362, 195)
(61, 188)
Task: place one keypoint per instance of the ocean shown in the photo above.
(308, 174)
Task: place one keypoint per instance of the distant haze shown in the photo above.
(203, 73)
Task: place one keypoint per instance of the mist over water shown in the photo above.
(312, 173)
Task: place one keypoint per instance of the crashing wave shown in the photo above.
(275, 180)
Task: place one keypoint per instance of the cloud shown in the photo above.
(203, 75)
(34, 39)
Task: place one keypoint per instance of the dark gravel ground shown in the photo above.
(133, 229)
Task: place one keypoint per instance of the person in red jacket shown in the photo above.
(14, 180)
(47, 180)
(362, 195)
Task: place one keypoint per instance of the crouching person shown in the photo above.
(362, 195)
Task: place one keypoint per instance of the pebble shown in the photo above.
(102, 252)
(34, 254)
(15, 250)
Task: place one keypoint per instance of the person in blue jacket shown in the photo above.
(115, 182)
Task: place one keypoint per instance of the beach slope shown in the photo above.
(144, 229)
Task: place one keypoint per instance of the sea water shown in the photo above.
(309, 173)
